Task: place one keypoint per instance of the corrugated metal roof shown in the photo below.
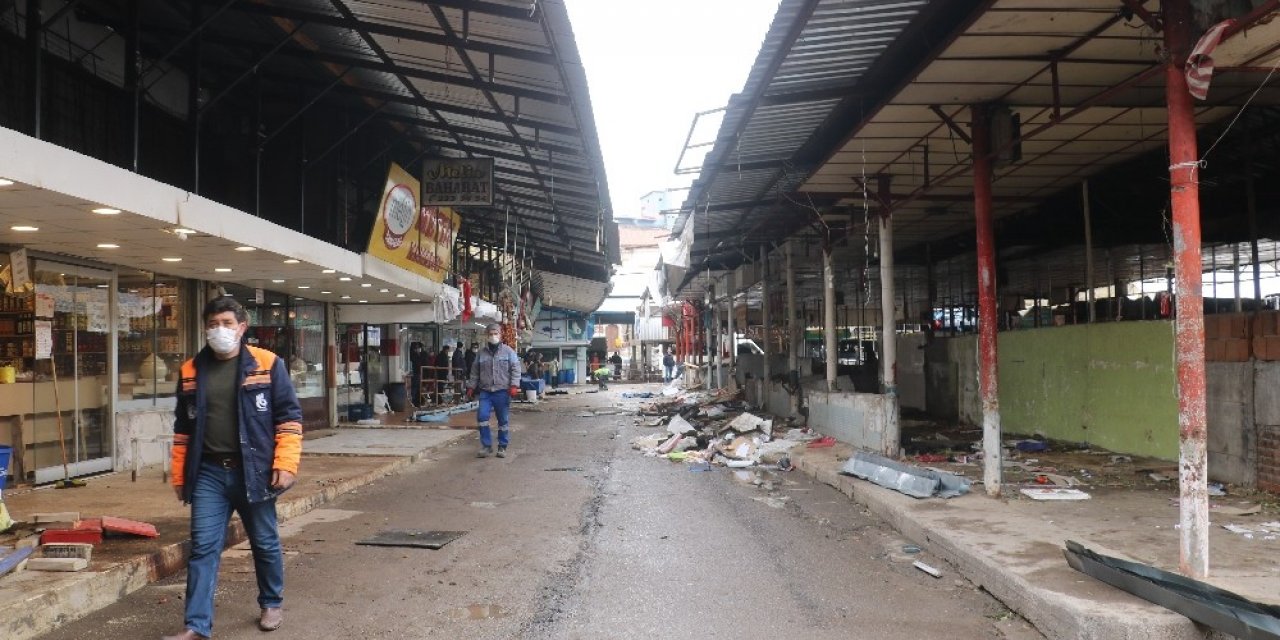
(809, 64)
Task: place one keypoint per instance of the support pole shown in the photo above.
(1251, 199)
(829, 314)
(888, 324)
(133, 84)
(988, 382)
(193, 100)
(708, 318)
(793, 344)
(767, 321)
(1193, 556)
(1088, 252)
(1235, 276)
(35, 67)
(729, 325)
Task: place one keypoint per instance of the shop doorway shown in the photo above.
(71, 371)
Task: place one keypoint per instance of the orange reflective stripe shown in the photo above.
(179, 464)
(288, 452)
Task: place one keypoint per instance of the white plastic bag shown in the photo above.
(380, 403)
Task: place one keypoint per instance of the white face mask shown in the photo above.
(223, 340)
(495, 339)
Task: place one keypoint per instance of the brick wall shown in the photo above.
(1237, 337)
(1269, 458)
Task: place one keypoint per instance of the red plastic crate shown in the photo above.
(83, 536)
(132, 527)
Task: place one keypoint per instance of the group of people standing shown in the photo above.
(450, 364)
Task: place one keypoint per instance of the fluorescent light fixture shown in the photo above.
(24, 227)
(325, 293)
(106, 211)
(365, 285)
(362, 301)
(346, 297)
(345, 278)
(5, 183)
(277, 281)
(275, 304)
(185, 230)
(108, 245)
(223, 269)
(384, 291)
(399, 295)
(329, 271)
(304, 286)
(415, 299)
(292, 261)
(246, 248)
(172, 259)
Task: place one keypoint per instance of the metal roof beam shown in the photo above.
(393, 31)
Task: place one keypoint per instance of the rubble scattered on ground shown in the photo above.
(703, 428)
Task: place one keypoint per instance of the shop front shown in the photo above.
(88, 354)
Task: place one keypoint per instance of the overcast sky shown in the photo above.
(651, 66)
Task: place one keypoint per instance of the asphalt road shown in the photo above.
(577, 536)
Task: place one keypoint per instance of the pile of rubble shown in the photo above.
(715, 428)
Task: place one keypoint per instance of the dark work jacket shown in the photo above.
(270, 421)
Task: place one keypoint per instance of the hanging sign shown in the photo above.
(457, 182)
(44, 305)
(44, 339)
(417, 238)
(20, 270)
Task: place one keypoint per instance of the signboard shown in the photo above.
(457, 182)
(20, 274)
(44, 339)
(419, 239)
(44, 305)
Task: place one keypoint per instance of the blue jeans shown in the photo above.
(498, 402)
(217, 492)
(671, 373)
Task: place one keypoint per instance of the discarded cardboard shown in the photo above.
(1054, 493)
(1243, 510)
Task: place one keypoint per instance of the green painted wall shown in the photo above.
(1110, 384)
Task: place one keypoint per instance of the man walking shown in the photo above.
(668, 366)
(495, 376)
(236, 446)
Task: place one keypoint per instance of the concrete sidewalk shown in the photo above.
(334, 462)
(1013, 548)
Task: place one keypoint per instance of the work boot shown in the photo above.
(484, 452)
(272, 618)
(502, 452)
(186, 634)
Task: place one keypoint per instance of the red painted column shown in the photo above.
(1193, 551)
(988, 382)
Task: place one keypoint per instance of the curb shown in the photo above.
(47, 609)
(1058, 615)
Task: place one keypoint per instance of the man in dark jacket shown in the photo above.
(236, 446)
(496, 379)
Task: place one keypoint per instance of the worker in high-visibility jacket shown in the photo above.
(495, 379)
(236, 446)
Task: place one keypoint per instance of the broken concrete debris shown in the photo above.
(715, 428)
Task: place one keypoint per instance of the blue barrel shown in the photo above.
(358, 412)
(570, 376)
(5, 453)
(546, 377)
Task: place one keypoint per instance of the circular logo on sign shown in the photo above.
(398, 212)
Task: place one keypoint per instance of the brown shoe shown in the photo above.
(186, 634)
(271, 619)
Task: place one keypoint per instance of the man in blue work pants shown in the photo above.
(495, 379)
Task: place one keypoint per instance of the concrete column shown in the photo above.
(331, 364)
(829, 314)
(988, 380)
(1184, 181)
(1235, 276)
(767, 321)
(888, 325)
